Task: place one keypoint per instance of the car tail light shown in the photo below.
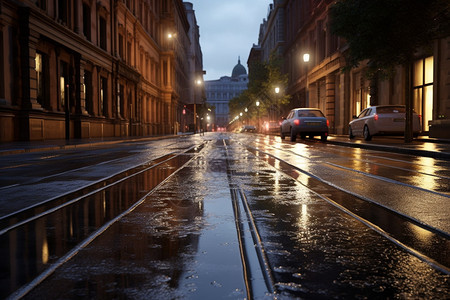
(375, 117)
(328, 123)
(296, 122)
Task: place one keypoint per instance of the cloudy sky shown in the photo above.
(228, 29)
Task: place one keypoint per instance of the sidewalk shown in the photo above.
(51, 145)
(421, 146)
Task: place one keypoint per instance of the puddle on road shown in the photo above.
(175, 245)
(28, 250)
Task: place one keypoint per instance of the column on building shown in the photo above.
(330, 100)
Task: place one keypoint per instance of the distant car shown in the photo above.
(248, 128)
(381, 120)
(271, 127)
(305, 122)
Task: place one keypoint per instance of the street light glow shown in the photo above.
(306, 57)
(257, 103)
(277, 90)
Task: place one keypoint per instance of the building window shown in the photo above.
(63, 84)
(102, 33)
(87, 21)
(129, 53)
(165, 74)
(63, 14)
(361, 95)
(2, 66)
(42, 4)
(121, 46)
(88, 92)
(41, 67)
(423, 90)
(103, 96)
(120, 101)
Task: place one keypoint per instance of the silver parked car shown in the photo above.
(305, 122)
(381, 120)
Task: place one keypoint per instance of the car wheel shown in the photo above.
(350, 133)
(282, 135)
(293, 136)
(303, 136)
(366, 133)
(324, 137)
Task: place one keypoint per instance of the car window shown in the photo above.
(291, 114)
(363, 113)
(315, 113)
(310, 113)
(391, 109)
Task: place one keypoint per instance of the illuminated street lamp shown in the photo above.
(306, 58)
(277, 91)
(257, 107)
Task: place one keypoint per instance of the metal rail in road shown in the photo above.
(60, 228)
(396, 227)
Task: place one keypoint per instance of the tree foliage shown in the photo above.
(263, 79)
(388, 32)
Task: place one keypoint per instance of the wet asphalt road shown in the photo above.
(178, 238)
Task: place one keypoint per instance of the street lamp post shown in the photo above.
(306, 58)
(257, 107)
(198, 83)
(277, 91)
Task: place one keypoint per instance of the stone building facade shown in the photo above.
(91, 69)
(341, 95)
(219, 93)
(196, 87)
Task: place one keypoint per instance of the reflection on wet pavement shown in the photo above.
(317, 251)
(179, 243)
(393, 189)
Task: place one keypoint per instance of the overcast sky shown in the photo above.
(228, 29)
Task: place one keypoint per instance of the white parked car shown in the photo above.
(381, 120)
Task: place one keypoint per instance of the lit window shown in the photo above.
(423, 89)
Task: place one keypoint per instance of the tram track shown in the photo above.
(394, 226)
(43, 237)
(371, 159)
(253, 254)
(72, 196)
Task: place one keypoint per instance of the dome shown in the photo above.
(238, 70)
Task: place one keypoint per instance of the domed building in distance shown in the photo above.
(220, 92)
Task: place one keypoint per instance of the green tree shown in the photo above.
(388, 33)
(264, 77)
